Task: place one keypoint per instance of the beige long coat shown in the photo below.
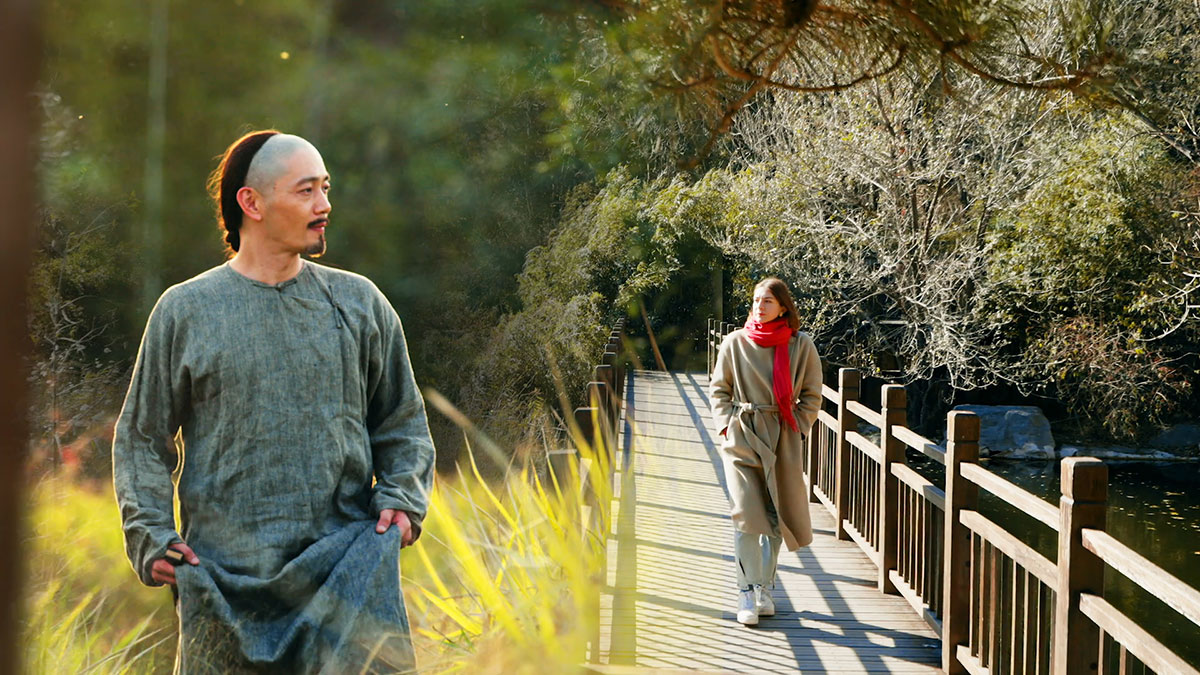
(763, 457)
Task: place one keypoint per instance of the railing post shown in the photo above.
(583, 420)
(962, 446)
(620, 373)
(614, 346)
(609, 359)
(604, 373)
(1082, 505)
(598, 398)
(589, 508)
(564, 465)
(894, 413)
(715, 339)
(811, 450)
(708, 346)
(849, 382)
(588, 435)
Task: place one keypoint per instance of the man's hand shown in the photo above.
(163, 571)
(388, 517)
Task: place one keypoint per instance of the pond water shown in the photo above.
(1153, 507)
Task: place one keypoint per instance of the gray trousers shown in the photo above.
(756, 556)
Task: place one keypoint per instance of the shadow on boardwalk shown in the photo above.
(671, 587)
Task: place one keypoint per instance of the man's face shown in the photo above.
(296, 207)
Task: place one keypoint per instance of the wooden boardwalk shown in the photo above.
(671, 592)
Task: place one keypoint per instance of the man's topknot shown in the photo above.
(229, 177)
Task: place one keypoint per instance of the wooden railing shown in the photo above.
(585, 470)
(593, 430)
(999, 605)
(717, 330)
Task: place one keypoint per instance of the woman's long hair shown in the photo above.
(229, 177)
(777, 288)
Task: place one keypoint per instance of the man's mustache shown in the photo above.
(319, 221)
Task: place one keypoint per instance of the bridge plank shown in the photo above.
(671, 592)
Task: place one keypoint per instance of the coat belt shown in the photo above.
(755, 407)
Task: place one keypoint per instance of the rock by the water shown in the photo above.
(869, 431)
(1116, 452)
(1014, 431)
(1179, 439)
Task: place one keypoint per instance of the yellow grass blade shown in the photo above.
(467, 623)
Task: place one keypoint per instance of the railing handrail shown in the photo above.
(1149, 577)
(919, 443)
(865, 414)
(1013, 495)
(1144, 646)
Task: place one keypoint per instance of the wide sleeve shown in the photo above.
(720, 385)
(808, 384)
(401, 446)
(144, 452)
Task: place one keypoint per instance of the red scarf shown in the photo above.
(777, 334)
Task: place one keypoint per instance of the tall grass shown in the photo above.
(502, 580)
(84, 610)
(508, 579)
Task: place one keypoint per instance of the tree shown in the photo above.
(990, 239)
(734, 50)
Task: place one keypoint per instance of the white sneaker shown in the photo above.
(763, 601)
(747, 614)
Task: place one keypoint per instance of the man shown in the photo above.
(307, 460)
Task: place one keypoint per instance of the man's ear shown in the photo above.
(251, 202)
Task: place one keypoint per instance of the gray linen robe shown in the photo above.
(763, 458)
(291, 398)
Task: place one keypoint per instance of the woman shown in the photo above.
(765, 391)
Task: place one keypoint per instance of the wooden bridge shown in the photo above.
(905, 574)
(671, 566)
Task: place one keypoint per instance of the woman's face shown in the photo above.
(766, 307)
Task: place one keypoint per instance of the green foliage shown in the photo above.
(76, 383)
(1089, 231)
(1115, 384)
(570, 291)
(530, 357)
(1081, 266)
(962, 241)
(713, 59)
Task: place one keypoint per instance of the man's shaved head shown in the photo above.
(255, 160)
(271, 159)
